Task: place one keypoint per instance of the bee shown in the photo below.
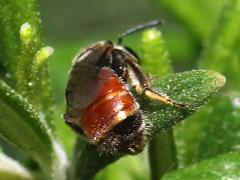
(100, 105)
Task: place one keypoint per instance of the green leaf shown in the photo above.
(221, 129)
(226, 166)
(21, 45)
(212, 131)
(12, 170)
(192, 88)
(12, 15)
(187, 135)
(23, 128)
(198, 16)
(222, 51)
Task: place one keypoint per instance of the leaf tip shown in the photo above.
(220, 79)
(151, 35)
(26, 32)
(43, 54)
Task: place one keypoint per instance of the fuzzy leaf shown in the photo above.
(187, 136)
(12, 170)
(226, 166)
(192, 88)
(23, 128)
(221, 128)
(222, 51)
(12, 15)
(213, 130)
(20, 44)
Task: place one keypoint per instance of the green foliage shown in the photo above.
(17, 115)
(225, 166)
(20, 44)
(222, 52)
(26, 113)
(198, 16)
(192, 88)
(203, 143)
(214, 129)
(23, 128)
(12, 16)
(217, 134)
(12, 170)
(155, 54)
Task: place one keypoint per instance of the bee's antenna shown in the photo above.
(139, 28)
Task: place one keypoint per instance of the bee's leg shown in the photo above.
(142, 85)
(162, 98)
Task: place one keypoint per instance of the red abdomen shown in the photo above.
(114, 103)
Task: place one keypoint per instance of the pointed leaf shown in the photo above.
(20, 42)
(12, 15)
(192, 88)
(23, 128)
(12, 170)
(226, 166)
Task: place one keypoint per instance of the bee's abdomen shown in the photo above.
(112, 106)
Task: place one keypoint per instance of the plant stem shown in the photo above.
(87, 161)
(162, 154)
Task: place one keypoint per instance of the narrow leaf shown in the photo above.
(212, 131)
(12, 15)
(20, 40)
(226, 166)
(12, 170)
(222, 49)
(23, 128)
(192, 88)
(187, 136)
(221, 128)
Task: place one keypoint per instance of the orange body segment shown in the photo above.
(113, 104)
